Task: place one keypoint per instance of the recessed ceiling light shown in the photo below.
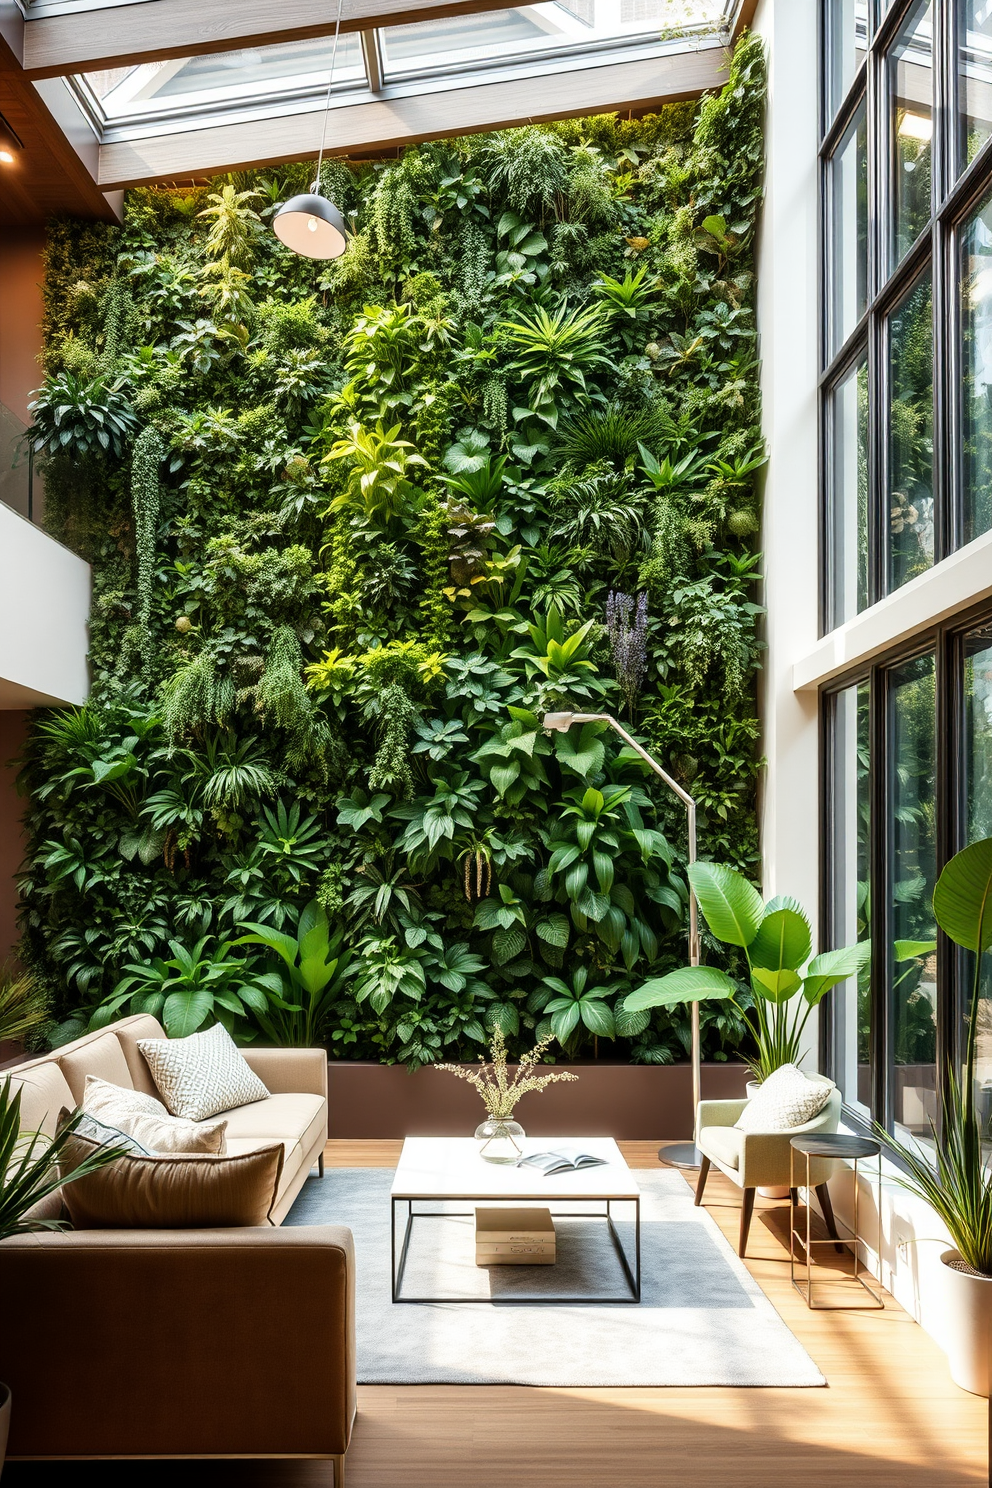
(9, 143)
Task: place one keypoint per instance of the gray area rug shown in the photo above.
(702, 1319)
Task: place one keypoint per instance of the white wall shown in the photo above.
(797, 661)
(44, 608)
(787, 323)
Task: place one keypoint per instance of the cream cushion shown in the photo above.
(171, 1192)
(202, 1074)
(102, 1056)
(44, 1093)
(724, 1143)
(146, 1120)
(787, 1098)
(297, 1121)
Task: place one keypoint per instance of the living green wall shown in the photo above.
(355, 526)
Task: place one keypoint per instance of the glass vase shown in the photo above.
(500, 1141)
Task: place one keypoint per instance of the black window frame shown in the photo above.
(954, 196)
(946, 641)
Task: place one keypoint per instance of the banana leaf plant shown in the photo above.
(786, 983)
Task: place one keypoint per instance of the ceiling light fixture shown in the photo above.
(311, 225)
(9, 143)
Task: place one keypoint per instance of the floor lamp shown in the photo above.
(679, 1154)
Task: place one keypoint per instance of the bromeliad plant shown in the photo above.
(786, 985)
(293, 1004)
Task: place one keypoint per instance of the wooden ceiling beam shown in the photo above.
(390, 123)
(47, 176)
(119, 36)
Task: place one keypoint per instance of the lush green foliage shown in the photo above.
(354, 527)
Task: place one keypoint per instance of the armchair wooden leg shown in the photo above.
(338, 1471)
(320, 1173)
(704, 1168)
(747, 1209)
(823, 1194)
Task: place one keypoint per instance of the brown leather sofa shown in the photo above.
(186, 1343)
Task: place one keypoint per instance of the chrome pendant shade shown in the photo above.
(311, 226)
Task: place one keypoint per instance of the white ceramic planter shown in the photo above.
(968, 1327)
(4, 1422)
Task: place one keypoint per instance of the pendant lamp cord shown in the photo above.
(327, 100)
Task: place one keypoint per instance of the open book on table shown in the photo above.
(565, 1160)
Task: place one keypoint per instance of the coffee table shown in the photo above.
(434, 1170)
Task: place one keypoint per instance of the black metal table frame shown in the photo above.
(632, 1277)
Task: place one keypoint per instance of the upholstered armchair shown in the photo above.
(761, 1159)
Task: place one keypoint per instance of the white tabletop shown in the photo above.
(450, 1167)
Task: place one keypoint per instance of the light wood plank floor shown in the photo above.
(890, 1417)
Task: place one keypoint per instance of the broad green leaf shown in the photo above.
(688, 984)
(909, 950)
(783, 941)
(775, 986)
(831, 967)
(730, 905)
(598, 1018)
(184, 1012)
(962, 900)
(507, 944)
(553, 930)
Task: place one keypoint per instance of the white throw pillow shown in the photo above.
(786, 1099)
(202, 1074)
(146, 1119)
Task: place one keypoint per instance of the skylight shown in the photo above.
(253, 82)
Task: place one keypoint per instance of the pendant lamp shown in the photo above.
(311, 225)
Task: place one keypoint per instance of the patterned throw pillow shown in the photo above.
(146, 1119)
(203, 1074)
(786, 1099)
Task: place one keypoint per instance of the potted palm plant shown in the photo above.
(787, 983)
(29, 1174)
(955, 1179)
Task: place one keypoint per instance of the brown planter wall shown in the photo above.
(629, 1102)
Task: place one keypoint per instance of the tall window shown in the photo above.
(906, 169)
(850, 817)
(912, 863)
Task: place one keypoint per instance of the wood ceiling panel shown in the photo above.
(385, 124)
(47, 176)
(119, 36)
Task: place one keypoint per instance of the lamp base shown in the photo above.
(680, 1155)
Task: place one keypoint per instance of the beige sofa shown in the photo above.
(196, 1343)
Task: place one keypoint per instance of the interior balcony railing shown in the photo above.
(21, 485)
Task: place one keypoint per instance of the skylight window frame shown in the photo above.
(263, 101)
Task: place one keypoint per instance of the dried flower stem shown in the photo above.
(500, 1094)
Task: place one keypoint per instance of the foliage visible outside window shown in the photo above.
(847, 35)
(848, 268)
(912, 875)
(974, 78)
(976, 371)
(977, 771)
(910, 495)
(850, 892)
(848, 505)
(910, 84)
(377, 541)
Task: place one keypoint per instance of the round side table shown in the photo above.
(841, 1148)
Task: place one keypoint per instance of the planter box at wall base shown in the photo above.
(625, 1101)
